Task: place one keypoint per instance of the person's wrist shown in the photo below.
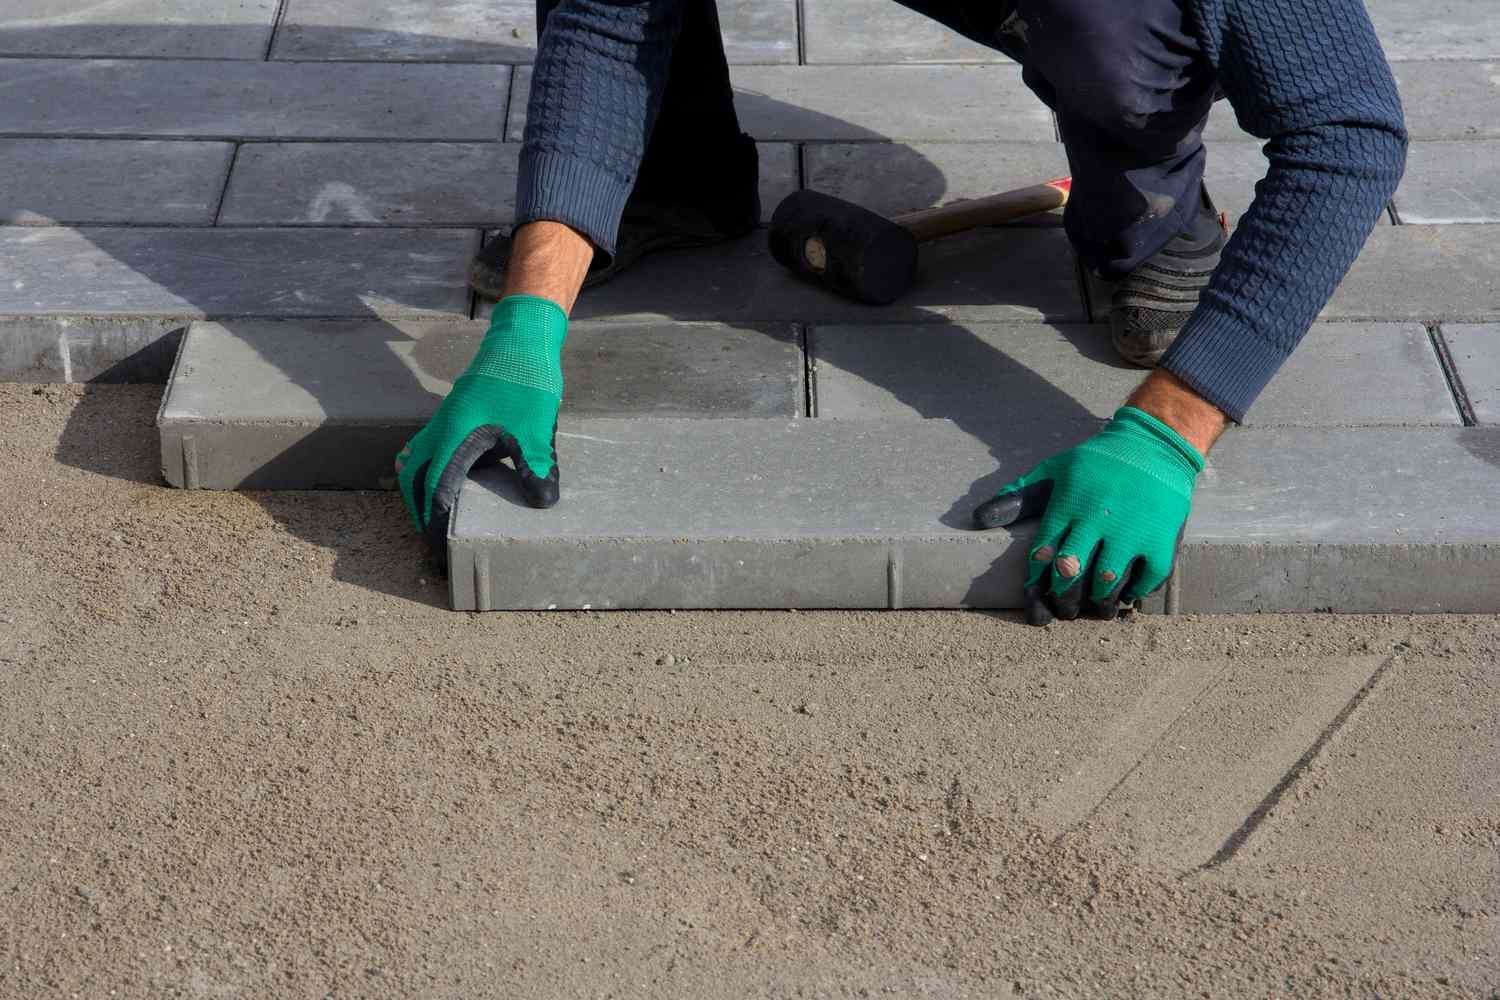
(1169, 399)
(548, 260)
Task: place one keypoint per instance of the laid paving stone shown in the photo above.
(142, 271)
(405, 184)
(872, 514)
(764, 31)
(874, 31)
(1450, 182)
(1178, 804)
(1454, 29)
(82, 181)
(891, 178)
(176, 29)
(1343, 374)
(868, 103)
(1450, 99)
(1476, 353)
(252, 100)
(995, 275)
(89, 348)
(293, 405)
(1423, 273)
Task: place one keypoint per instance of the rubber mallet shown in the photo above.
(865, 256)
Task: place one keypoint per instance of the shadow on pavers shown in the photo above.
(352, 542)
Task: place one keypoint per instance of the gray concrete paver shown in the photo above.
(1476, 354)
(919, 103)
(829, 512)
(144, 271)
(292, 405)
(1450, 182)
(995, 275)
(1450, 99)
(252, 100)
(158, 29)
(1343, 374)
(877, 31)
(1450, 29)
(405, 184)
(81, 181)
(1422, 273)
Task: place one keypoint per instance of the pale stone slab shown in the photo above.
(1423, 273)
(1343, 374)
(81, 181)
(1448, 29)
(936, 103)
(1476, 353)
(293, 405)
(1450, 182)
(825, 513)
(762, 31)
(1450, 100)
(253, 100)
(994, 275)
(176, 29)
(406, 184)
(142, 271)
(879, 31)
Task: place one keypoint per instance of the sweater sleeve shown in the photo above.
(1310, 76)
(596, 87)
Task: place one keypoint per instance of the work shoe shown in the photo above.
(660, 218)
(1150, 304)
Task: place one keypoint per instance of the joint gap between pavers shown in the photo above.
(1081, 277)
(234, 158)
(275, 28)
(1456, 390)
(1263, 810)
(809, 372)
(1393, 213)
(801, 33)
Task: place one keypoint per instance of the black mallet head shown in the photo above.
(841, 246)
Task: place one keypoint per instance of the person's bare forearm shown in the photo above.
(1167, 398)
(548, 260)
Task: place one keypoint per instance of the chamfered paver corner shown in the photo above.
(100, 182)
(1343, 374)
(155, 29)
(213, 99)
(1475, 349)
(325, 404)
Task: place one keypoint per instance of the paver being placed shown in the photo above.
(1450, 182)
(405, 184)
(1343, 374)
(1453, 29)
(252, 100)
(104, 272)
(865, 103)
(315, 405)
(877, 31)
(1476, 354)
(995, 275)
(820, 513)
(159, 29)
(83, 181)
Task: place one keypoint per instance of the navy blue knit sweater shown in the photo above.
(1307, 75)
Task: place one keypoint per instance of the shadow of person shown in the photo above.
(736, 283)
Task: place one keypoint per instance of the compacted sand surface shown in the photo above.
(245, 751)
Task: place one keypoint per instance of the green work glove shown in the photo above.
(1112, 508)
(504, 405)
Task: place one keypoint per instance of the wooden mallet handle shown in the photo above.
(993, 210)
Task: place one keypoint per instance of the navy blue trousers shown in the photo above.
(1126, 78)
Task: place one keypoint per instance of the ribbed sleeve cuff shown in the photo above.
(1223, 361)
(561, 188)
